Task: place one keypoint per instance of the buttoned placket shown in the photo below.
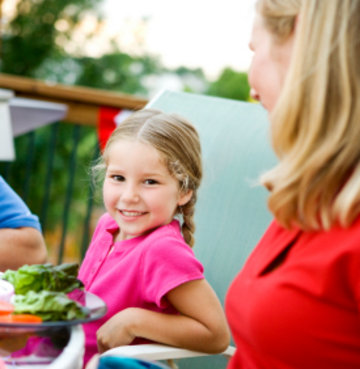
(100, 260)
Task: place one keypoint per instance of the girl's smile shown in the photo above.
(131, 216)
(139, 191)
(127, 213)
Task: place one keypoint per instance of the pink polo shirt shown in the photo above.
(138, 272)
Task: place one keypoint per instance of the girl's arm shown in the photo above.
(200, 324)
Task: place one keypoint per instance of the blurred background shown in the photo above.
(136, 47)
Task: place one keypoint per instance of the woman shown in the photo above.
(296, 302)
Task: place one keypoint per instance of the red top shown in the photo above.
(296, 302)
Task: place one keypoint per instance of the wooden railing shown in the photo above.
(83, 102)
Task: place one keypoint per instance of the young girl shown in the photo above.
(140, 260)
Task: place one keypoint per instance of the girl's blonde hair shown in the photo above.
(178, 143)
(315, 125)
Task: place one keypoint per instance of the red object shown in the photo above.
(108, 120)
(302, 312)
(106, 124)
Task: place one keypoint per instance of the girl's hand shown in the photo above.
(117, 330)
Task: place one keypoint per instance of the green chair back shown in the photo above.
(231, 214)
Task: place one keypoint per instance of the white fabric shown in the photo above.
(29, 114)
(7, 151)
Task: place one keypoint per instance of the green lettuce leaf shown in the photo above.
(50, 306)
(39, 277)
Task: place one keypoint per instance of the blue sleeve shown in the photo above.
(13, 211)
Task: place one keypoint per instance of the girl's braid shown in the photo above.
(188, 182)
(188, 226)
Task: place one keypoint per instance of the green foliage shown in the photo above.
(231, 85)
(117, 72)
(31, 38)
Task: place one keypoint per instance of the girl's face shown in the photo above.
(269, 64)
(139, 192)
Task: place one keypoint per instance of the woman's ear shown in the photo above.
(185, 197)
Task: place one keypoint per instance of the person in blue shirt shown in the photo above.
(21, 240)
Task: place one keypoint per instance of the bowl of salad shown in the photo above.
(42, 296)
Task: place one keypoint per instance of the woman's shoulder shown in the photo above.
(337, 245)
(349, 236)
(350, 233)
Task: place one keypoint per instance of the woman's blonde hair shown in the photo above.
(315, 125)
(178, 143)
